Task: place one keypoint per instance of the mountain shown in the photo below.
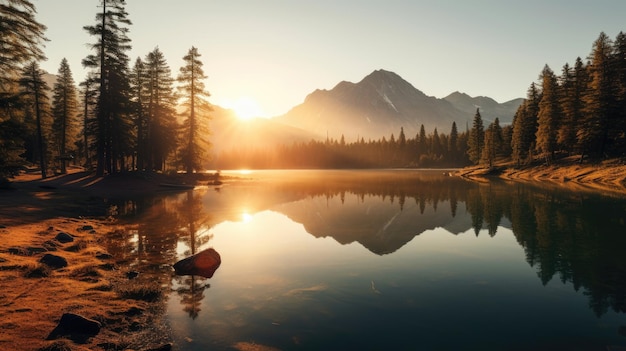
(489, 108)
(382, 103)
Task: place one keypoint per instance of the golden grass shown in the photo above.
(33, 297)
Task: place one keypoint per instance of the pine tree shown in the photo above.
(21, 38)
(422, 143)
(573, 84)
(160, 110)
(549, 116)
(476, 138)
(525, 126)
(493, 143)
(452, 144)
(11, 148)
(36, 89)
(64, 109)
(88, 96)
(619, 59)
(194, 94)
(112, 125)
(600, 103)
(138, 87)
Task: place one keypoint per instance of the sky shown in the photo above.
(264, 57)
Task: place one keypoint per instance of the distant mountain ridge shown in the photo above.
(382, 103)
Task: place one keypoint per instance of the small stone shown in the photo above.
(53, 261)
(63, 238)
(132, 274)
(76, 326)
(85, 228)
(133, 311)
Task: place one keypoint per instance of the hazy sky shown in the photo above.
(276, 52)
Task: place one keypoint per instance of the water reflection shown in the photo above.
(574, 237)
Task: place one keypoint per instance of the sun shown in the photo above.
(246, 108)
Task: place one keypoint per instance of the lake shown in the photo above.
(385, 260)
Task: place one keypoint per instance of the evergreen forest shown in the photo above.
(122, 116)
(137, 115)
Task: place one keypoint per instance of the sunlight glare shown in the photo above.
(246, 217)
(245, 108)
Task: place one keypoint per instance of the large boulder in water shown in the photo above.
(204, 264)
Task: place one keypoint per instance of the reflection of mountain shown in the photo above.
(381, 226)
(574, 237)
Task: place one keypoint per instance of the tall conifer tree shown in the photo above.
(64, 109)
(194, 141)
(476, 138)
(549, 115)
(36, 89)
(600, 102)
(113, 126)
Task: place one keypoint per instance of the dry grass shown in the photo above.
(33, 297)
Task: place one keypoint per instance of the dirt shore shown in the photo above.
(64, 216)
(608, 176)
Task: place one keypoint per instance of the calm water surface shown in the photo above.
(385, 260)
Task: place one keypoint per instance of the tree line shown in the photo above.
(118, 118)
(580, 112)
(423, 150)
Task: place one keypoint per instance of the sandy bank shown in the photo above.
(607, 176)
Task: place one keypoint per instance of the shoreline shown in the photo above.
(33, 296)
(607, 176)
(93, 284)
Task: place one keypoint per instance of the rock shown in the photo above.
(85, 228)
(77, 327)
(63, 238)
(132, 274)
(133, 311)
(204, 264)
(53, 261)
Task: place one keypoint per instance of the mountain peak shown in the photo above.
(381, 104)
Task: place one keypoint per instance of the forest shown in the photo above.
(119, 118)
(136, 116)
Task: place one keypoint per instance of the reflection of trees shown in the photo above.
(152, 229)
(577, 237)
(574, 236)
(147, 240)
(196, 220)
